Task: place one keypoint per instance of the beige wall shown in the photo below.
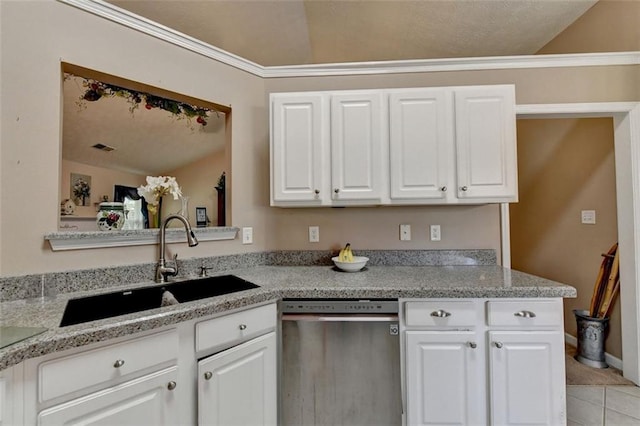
(566, 166)
(36, 36)
(198, 181)
(30, 138)
(609, 26)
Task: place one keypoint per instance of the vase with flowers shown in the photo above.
(156, 188)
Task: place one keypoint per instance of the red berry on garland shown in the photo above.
(94, 86)
(199, 120)
(148, 106)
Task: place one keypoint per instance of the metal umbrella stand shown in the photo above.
(592, 325)
(591, 337)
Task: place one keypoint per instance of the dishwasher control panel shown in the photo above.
(340, 306)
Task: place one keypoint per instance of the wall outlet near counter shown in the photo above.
(434, 233)
(314, 234)
(405, 232)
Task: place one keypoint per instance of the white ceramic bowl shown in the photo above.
(357, 264)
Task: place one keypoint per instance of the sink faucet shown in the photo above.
(163, 272)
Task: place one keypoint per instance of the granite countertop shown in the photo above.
(275, 282)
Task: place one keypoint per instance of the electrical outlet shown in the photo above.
(405, 232)
(247, 235)
(314, 234)
(588, 217)
(434, 232)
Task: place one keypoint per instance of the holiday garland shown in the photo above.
(95, 90)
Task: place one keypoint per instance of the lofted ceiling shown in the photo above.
(296, 32)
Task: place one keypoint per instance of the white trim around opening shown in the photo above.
(626, 118)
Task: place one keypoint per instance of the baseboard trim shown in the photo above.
(610, 359)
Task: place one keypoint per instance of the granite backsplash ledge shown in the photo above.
(50, 284)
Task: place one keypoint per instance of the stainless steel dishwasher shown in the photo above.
(340, 363)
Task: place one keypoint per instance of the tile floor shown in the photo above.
(603, 405)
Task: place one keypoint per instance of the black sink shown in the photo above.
(109, 305)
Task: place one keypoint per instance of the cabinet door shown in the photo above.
(527, 377)
(486, 144)
(420, 145)
(144, 401)
(238, 386)
(298, 135)
(445, 378)
(357, 129)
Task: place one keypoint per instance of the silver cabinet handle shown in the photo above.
(317, 191)
(525, 314)
(208, 375)
(463, 188)
(443, 189)
(242, 326)
(440, 314)
(498, 344)
(171, 385)
(337, 190)
(119, 363)
(472, 345)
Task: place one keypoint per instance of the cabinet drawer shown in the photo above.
(441, 314)
(233, 328)
(532, 313)
(86, 369)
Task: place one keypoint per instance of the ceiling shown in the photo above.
(147, 142)
(296, 32)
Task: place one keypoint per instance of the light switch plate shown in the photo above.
(588, 217)
(405, 232)
(247, 235)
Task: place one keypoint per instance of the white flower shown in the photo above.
(159, 186)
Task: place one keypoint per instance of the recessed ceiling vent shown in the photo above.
(103, 147)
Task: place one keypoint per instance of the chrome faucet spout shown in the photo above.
(163, 272)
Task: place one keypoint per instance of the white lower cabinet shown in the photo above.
(150, 379)
(148, 400)
(507, 369)
(526, 378)
(444, 378)
(238, 386)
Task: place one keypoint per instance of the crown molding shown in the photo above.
(146, 26)
(456, 64)
(138, 23)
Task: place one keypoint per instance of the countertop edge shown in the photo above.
(60, 339)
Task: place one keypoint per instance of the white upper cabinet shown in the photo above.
(357, 132)
(420, 148)
(447, 145)
(298, 133)
(328, 149)
(486, 144)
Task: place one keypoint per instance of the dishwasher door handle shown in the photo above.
(341, 318)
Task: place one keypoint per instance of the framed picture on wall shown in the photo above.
(81, 189)
(201, 217)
